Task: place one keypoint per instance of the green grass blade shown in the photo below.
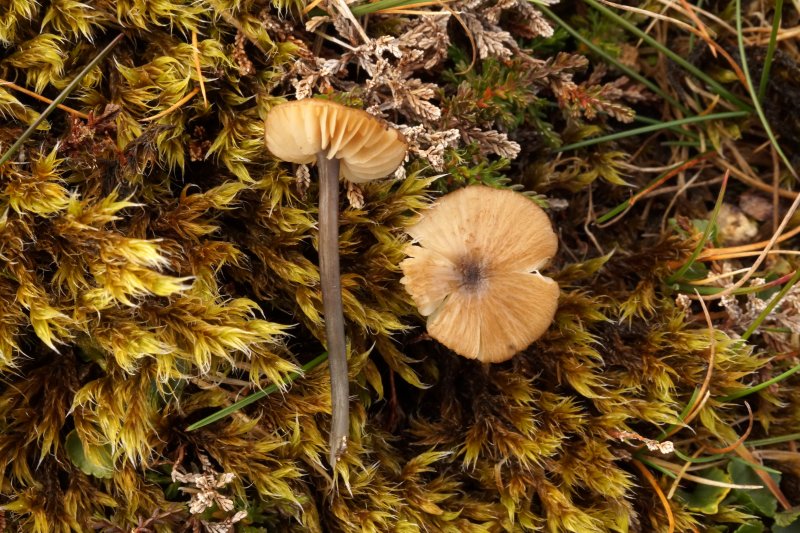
(754, 96)
(699, 248)
(653, 127)
(60, 98)
(771, 441)
(753, 289)
(689, 144)
(682, 416)
(367, 8)
(772, 304)
(761, 386)
(722, 91)
(609, 58)
(222, 413)
(668, 473)
(773, 40)
(700, 460)
(675, 129)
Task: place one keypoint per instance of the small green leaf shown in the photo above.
(750, 527)
(792, 528)
(706, 498)
(696, 271)
(101, 465)
(759, 501)
(787, 518)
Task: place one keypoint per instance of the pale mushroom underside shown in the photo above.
(366, 148)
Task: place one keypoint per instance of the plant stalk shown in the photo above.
(330, 279)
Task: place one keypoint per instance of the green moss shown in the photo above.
(154, 271)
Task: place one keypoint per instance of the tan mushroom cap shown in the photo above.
(473, 271)
(366, 147)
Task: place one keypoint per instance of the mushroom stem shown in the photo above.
(332, 303)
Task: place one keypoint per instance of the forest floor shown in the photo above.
(158, 265)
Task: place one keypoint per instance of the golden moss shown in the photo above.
(157, 264)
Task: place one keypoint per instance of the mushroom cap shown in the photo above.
(367, 148)
(473, 271)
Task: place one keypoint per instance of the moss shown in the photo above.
(156, 264)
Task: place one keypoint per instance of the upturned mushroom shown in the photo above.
(361, 148)
(473, 271)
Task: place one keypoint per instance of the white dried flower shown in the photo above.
(226, 526)
(493, 142)
(684, 303)
(430, 144)
(665, 447)
(205, 493)
(303, 177)
(731, 306)
(355, 196)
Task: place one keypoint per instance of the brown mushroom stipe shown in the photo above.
(362, 148)
(473, 271)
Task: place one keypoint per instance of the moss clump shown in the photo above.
(156, 264)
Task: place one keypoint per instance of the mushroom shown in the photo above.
(473, 271)
(362, 148)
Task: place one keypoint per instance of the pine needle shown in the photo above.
(741, 439)
(73, 112)
(191, 94)
(196, 59)
(654, 483)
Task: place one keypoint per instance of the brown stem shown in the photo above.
(332, 303)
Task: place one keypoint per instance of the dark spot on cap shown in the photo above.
(472, 273)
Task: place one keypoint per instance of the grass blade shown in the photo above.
(612, 60)
(699, 248)
(771, 441)
(653, 127)
(382, 5)
(760, 386)
(773, 39)
(722, 91)
(60, 98)
(222, 413)
(772, 304)
(753, 95)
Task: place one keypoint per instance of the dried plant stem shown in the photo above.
(749, 180)
(344, 11)
(718, 22)
(700, 32)
(711, 252)
(44, 99)
(682, 472)
(311, 6)
(654, 484)
(666, 466)
(196, 59)
(770, 483)
(174, 106)
(330, 280)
